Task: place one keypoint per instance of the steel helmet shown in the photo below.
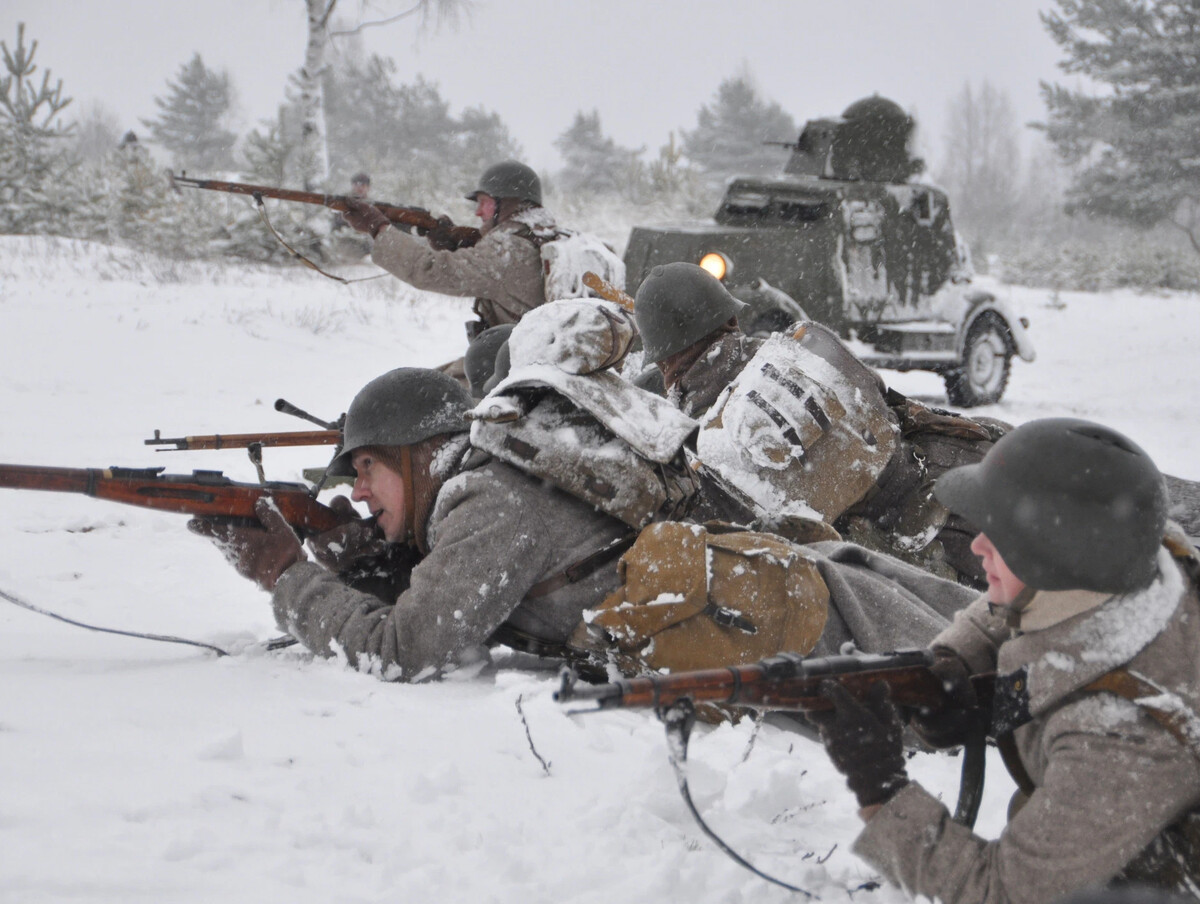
(677, 305)
(403, 407)
(510, 179)
(1069, 504)
(479, 362)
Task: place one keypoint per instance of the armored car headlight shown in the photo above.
(716, 263)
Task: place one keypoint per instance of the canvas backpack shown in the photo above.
(802, 427)
(705, 596)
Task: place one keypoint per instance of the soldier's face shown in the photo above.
(383, 490)
(485, 207)
(1003, 585)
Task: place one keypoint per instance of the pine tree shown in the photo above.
(595, 163)
(1136, 140)
(191, 120)
(34, 154)
(730, 134)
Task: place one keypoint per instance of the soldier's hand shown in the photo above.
(364, 217)
(260, 553)
(356, 539)
(863, 740)
(442, 237)
(949, 724)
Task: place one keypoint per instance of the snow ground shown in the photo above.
(136, 771)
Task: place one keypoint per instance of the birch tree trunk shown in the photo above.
(314, 152)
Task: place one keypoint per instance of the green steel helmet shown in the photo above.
(510, 179)
(403, 407)
(479, 362)
(677, 305)
(1069, 504)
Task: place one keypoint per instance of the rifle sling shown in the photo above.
(514, 637)
(585, 567)
(1122, 683)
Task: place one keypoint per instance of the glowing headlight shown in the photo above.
(715, 263)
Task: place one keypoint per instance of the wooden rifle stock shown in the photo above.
(205, 493)
(211, 441)
(418, 217)
(784, 682)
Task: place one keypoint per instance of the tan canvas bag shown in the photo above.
(699, 597)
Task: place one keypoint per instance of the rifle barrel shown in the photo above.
(212, 441)
(205, 493)
(463, 236)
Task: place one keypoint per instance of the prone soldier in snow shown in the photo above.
(1091, 621)
(799, 423)
(493, 543)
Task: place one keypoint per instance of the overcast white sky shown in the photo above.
(645, 65)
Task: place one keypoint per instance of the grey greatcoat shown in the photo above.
(1108, 778)
(493, 534)
(503, 271)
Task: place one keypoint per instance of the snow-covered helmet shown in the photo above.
(509, 179)
(677, 305)
(1069, 504)
(403, 407)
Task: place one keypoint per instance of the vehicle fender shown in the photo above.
(980, 302)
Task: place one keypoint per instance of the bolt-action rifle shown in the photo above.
(789, 682)
(417, 217)
(254, 443)
(206, 493)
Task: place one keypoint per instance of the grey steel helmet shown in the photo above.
(479, 362)
(510, 179)
(677, 305)
(1069, 504)
(403, 407)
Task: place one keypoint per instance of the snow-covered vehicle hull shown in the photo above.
(879, 262)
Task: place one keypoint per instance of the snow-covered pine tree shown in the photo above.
(35, 154)
(192, 117)
(595, 163)
(1135, 139)
(731, 133)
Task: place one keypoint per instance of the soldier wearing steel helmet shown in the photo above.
(492, 544)
(688, 322)
(1091, 622)
(503, 272)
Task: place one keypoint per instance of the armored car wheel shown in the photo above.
(986, 362)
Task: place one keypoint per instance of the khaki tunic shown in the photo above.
(503, 271)
(494, 533)
(1108, 778)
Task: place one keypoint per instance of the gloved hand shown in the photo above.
(862, 739)
(950, 724)
(441, 237)
(261, 554)
(364, 217)
(340, 547)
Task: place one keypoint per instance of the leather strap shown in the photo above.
(581, 569)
